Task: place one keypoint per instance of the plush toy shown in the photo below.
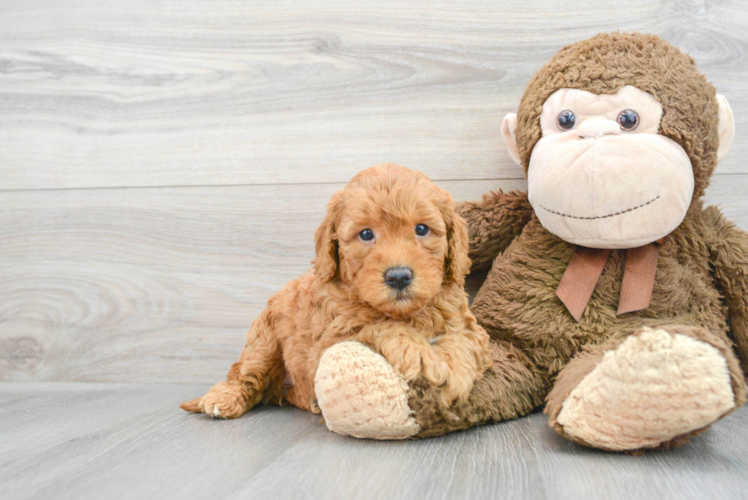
(614, 296)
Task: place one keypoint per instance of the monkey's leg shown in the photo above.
(361, 395)
(259, 366)
(653, 389)
(512, 387)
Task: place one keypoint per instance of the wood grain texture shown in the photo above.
(263, 109)
(145, 285)
(707, 467)
(81, 441)
(163, 166)
(160, 285)
(174, 93)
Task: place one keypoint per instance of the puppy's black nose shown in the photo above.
(398, 277)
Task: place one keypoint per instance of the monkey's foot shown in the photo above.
(361, 395)
(656, 388)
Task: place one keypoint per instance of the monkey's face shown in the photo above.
(601, 176)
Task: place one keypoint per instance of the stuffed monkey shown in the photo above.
(614, 297)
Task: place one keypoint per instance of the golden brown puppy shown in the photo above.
(389, 273)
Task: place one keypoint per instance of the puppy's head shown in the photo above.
(392, 236)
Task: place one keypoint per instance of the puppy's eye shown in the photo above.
(366, 235)
(422, 230)
(566, 120)
(628, 119)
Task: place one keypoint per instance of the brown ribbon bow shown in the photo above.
(586, 266)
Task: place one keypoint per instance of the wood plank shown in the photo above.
(119, 441)
(81, 441)
(495, 461)
(93, 440)
(713, 465)
(148, 284)
(160, 285)
(107, 94)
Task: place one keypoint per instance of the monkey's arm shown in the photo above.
(729, 250)
(493, 223)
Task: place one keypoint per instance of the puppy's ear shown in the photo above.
(457, 262)
(326, 241)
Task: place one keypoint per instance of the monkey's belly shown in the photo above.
(518, 303)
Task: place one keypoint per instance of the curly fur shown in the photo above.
(427, 330)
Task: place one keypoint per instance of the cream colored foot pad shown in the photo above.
(654, 387)
(360, 394)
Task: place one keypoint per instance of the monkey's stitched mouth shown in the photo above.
(602, 216)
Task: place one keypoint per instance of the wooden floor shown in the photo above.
(79, 441)
(163, 167)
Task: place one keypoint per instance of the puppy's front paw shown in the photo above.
(412, 359)
(459, 384)
(434, 368)
(222, 401)
(467, 357)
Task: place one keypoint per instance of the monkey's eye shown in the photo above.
(366, 235)
(422, 230)
(628, 119)
(566, 120)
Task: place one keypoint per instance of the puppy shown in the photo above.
(391, 260)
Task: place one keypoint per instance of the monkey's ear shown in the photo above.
(508, 131)
(326, 241)
(726, 127)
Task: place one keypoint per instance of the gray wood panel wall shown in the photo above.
(163, 165)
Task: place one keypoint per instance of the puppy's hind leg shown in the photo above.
(259, 369)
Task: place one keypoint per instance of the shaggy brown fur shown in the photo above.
(424, 330)
(701, 284)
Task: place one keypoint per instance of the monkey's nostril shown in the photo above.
(398, 278)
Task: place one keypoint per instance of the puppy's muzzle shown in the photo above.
(398, 278)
